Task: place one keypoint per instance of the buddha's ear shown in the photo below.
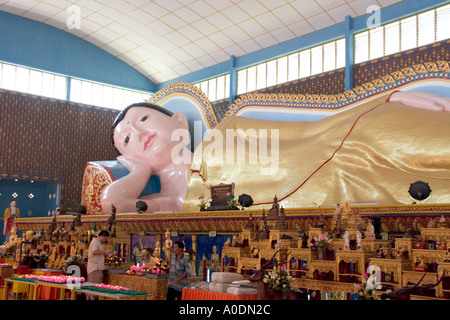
(181, 119)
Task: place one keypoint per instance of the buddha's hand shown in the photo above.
(135, 166)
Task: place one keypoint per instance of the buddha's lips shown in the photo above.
(148, 141)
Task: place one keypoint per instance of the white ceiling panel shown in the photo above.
(165, 39)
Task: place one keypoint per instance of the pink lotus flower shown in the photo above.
(136, 268)
(110, 287)
(201, 196)
(228, 194)
(366, 276)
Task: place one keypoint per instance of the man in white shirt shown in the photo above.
(96, 259)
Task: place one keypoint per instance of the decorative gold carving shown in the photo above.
(431, 66)
(350, 94)
(193, 91)
(405, 243)
(420, 68)
(156, 287)
(330, 286)
(324, 98)
(249, 263)
(414, 277)
(443, 65)
(231, 220)
(398, 75)
(358, 90)
(333, 99)
(408, 72)
(359, 258)
(388, 79)
(431, 256)
(300, 254)
(442, 267)
(442, 234)
(394, 267)
(323, 266)
(366, 88)
(341, 97)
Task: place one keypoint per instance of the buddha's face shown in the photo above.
(145, 135)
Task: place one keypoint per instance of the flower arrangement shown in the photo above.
(368, 288)
(322, 242)
(5, 265)
(137, 268)
(160, 267)
(158, 270)
(232, 202)
(110, 287)
(59, 233)
(74, 257)
(41, 256)
(54, 279)
(277, 280)
(115, 289)
(203, 204)
(37, 236)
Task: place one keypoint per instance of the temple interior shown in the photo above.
(350, 190)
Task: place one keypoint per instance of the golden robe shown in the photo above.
(368, 154)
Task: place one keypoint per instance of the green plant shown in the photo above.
(231, 200)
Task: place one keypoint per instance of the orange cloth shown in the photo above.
(192, 294)
(47, 293)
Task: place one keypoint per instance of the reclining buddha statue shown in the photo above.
(370, 153)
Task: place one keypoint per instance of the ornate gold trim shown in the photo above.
(192, 91)
(383, 84)
(229, 221)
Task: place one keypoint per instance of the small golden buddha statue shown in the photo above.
(440, 245)
(346, 210)
(422, 266)
(215, 261)
(167, 246)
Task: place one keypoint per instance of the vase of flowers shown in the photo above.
(277, 283)
(232, 202)
(41, 258)
(368, 288)
(321, 243)
(203, 204)
(59, 234)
